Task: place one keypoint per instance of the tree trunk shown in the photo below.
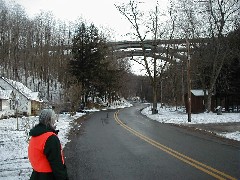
(154, 109)
(209, 100)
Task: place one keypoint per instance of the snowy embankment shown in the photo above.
(14, 162)
(170, 115)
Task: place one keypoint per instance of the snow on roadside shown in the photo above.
(170, 115)
(232, 135)
(14, 162)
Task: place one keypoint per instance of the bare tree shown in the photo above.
(3, 36)
(212, 20)
(134, 15)
(221, 18)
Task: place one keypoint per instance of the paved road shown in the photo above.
(126, 145)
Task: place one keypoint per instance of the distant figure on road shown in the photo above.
(44, 151)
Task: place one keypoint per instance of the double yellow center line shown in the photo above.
(207, 169)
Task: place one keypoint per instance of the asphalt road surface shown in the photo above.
(123, 144)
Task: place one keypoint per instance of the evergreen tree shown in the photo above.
(91, 64)
(89, 50)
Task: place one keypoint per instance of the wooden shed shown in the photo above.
(197, 101)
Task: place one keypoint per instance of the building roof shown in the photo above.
(35, 96)
(25, 91)
(5, 94)
(198, 92)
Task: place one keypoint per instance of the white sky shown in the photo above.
(100, 12)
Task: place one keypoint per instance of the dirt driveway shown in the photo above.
(218, 128)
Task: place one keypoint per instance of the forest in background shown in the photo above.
(36, 52)
(209, 34)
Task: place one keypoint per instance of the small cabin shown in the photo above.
(197, 101)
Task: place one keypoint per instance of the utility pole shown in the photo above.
(161, 93)
(154, 80)
(188, 81)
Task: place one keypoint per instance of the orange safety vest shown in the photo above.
(36, 154)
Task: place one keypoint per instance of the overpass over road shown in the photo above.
(161, 49)
(176, 48)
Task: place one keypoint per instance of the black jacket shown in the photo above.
(52, 150)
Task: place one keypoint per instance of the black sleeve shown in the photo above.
(52, 150)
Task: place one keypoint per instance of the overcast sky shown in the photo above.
(100, 12)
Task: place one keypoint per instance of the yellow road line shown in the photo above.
(207, 169)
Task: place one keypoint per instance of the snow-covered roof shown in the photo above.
(35, 96)
(28, 93)
(198, 92)
(5, 94)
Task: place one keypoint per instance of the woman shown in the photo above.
(45, 151)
